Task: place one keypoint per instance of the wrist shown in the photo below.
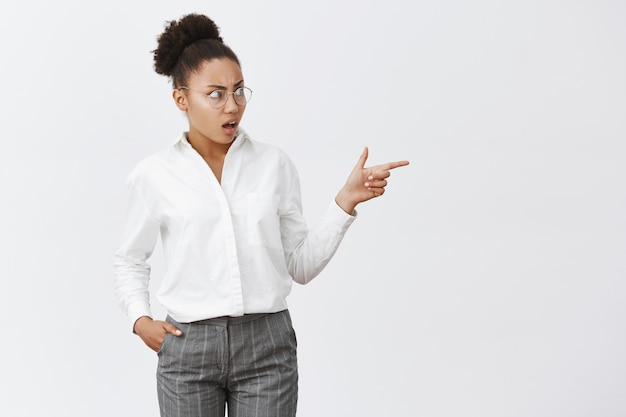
(138, 323)
(348, 205)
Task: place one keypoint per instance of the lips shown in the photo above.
(230, 127)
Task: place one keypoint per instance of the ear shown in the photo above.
(180, 99)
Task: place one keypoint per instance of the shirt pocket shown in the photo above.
(263, 221)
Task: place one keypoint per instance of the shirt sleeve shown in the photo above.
(132, 272)
(308, 251)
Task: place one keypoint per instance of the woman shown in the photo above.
(234, 238)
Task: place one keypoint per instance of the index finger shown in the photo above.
(170, 328)
(392, 165)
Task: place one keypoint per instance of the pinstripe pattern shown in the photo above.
(246, 362)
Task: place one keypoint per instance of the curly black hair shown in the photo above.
(186, 44)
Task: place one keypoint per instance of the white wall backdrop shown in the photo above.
(490, 279)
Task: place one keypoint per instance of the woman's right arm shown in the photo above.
(132, 271)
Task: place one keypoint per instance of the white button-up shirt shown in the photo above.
(230, 249)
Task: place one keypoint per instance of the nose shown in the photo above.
(231, 105)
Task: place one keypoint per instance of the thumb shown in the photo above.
(362, 159)
(170, 328)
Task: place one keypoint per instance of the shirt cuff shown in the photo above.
(137, 310)
(336, 217)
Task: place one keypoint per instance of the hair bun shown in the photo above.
(180, 34)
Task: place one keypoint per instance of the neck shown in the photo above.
(208, 148)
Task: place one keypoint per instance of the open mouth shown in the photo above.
(230, 128)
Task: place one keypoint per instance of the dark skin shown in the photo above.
(211, 140)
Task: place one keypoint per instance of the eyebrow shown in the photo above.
(222, 87)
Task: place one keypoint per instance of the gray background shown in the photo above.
(487, 282)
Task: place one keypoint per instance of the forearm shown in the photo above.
(131, 287)
(320, 244)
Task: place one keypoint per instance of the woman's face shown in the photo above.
(206, 123)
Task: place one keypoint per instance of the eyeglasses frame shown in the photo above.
(226, 92)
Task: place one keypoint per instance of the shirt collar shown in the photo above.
(240, 137)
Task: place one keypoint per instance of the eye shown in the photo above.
(239, 92)
(216, 94)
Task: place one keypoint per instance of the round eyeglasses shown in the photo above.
(217, 98)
